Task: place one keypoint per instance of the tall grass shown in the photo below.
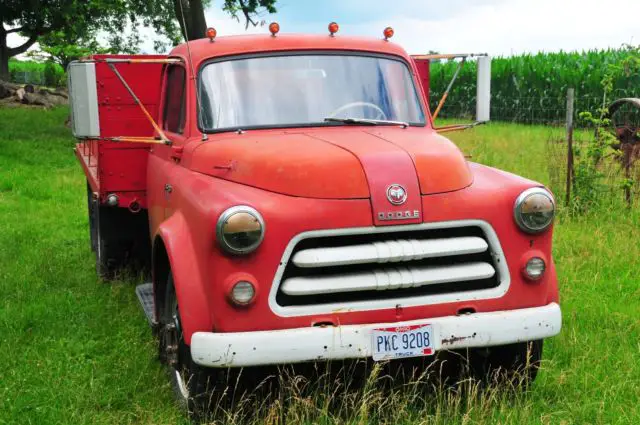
(532, 87)
(381, 398)
(77, 351)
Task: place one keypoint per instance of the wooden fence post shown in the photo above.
(570, 103)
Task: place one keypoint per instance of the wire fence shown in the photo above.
(608, 177)
(549, 110)
(605, 181)
(28, 77)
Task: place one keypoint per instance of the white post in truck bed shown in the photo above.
(483, 90)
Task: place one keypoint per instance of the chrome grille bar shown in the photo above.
(389, 251)
(386, 278)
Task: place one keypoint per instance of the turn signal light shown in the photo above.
(534, 268)
(333, 28)
(388, 33)
(242, 293)
(211, 33)
(274, 28)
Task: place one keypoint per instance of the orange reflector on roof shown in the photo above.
(333, 28)
(388, 33)
(274, 28)
(211, 33)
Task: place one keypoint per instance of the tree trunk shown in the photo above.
(193, 18)
(4, 55)
(198, 21)
(6, 52)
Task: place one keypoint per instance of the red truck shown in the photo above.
(294, 203)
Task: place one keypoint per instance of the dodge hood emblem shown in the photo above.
(396, 194)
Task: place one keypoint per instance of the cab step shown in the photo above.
(145, 296)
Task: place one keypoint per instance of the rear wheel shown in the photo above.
(119, 238)
(111, 253)
(92, 204)
(197, 389)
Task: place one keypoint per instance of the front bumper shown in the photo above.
(237, 349)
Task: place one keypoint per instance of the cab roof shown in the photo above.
(204, 49)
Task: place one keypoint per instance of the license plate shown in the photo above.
(402, 342)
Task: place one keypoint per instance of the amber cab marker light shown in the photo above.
(211, 33)
(274, 28)
(333, 28)
(388, 33)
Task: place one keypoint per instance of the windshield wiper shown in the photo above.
(359, 121)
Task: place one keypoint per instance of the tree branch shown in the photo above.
(249, 20)
(24, 47)
(247, 14)
(14, 30)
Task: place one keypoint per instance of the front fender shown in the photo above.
(187, 277)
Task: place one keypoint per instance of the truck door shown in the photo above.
(162, 168)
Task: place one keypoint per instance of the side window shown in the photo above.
(174, 102)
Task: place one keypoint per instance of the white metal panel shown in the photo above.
(389, 251)
(483, 89)
(83, 96)
(388, 278)
(238, 349)
(504, 278)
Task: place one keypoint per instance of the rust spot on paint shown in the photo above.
(455, 339)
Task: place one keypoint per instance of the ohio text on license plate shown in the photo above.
(403, 341)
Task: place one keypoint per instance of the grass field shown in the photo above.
(76, 351)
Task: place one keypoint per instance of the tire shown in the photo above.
(197, 389)
(514, 364)
(111, 253)
(119, 239)
(92, 204)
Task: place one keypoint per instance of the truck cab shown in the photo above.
(295, 203)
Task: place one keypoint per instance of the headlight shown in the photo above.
(534, 210)
(240, 230)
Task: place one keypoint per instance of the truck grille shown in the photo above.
(416, 263)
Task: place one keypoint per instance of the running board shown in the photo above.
(145, 296)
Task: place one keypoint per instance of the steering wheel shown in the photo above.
(381, 115)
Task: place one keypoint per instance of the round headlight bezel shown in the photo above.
(224, 218)
(517, 209)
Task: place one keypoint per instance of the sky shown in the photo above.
(497, 27)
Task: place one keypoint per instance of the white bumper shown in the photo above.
(238, 349)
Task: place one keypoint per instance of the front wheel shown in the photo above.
(515, 364)
(197, 389)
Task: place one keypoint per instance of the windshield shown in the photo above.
(305, 90)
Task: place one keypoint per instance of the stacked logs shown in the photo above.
(12, 95)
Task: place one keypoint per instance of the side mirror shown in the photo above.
(83, 96)
(483, 89)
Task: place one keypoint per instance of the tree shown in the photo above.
(63, 47)
(193, 24)
(69, 27)
(32, 19)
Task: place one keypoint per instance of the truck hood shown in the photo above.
(337, 162)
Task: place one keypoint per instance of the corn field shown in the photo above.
(532, 88)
